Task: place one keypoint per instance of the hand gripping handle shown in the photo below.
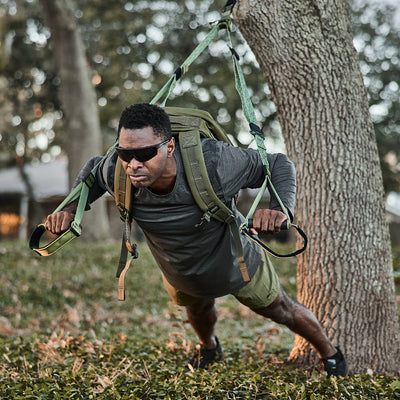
(245, 230)
(81, 191)
(286, 224)
(50, 248)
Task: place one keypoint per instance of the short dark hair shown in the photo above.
(138, 116)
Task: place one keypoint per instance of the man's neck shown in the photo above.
(165, 184)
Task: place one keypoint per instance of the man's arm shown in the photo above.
(59, 222)
(283, 177)
(233, 168)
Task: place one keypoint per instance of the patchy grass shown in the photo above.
(64, 335)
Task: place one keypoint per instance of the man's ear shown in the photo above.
(171, 147)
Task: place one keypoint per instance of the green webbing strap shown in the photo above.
(255, 130)
(81, 191)
(167, 89)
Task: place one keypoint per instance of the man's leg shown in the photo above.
(300, 320)
(264, 295)
(202, 315)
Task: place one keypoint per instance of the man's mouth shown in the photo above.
(137, 178)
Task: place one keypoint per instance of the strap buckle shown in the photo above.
(208, 214)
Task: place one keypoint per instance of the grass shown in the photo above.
(64, 335)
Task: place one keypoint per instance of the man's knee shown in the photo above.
(201, 306)
(281, 310)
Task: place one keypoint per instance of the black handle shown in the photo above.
(285, 224)
(56, 244)
(245, 230)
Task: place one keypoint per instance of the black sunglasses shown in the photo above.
(140, 154)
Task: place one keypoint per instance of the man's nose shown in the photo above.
(135, 164)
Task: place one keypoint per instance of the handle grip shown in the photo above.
(245, 230)
(286, 224)
(50, 248)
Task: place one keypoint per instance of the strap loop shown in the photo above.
(234, 53)
(229, 3)
(256, 130)
(53, 246)
(178, 73)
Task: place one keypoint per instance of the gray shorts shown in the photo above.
(260, 292)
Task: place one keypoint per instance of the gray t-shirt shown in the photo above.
(200, 260)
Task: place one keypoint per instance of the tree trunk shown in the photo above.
(79, 102)
(306, 53)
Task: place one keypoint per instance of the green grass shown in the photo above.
(64, 335)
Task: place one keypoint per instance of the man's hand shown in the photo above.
(267, 221)
(61, 221)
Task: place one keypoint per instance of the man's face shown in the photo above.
(153, 172)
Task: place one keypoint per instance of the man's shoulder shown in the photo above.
(213, 150)
(222, 151)
(214, 146)
(108, 170)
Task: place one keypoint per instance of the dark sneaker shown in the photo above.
(202, 357)
(336, 365)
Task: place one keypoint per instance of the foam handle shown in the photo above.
(285, 224)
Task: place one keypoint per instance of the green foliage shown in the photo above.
(132, 49)
(130, 59)
(64, 335)
(376, 32)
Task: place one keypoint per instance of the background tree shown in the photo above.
(79, 101)
(306, 53)
(377, 39)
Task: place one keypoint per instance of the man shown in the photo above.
(198, 260)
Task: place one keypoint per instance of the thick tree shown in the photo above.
(306, 53)
(78, 99)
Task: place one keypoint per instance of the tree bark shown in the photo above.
(79, 102)
(306, 53)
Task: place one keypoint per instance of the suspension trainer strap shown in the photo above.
(255, 130)
(123, 198)
(163, 94)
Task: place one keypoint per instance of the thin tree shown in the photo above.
(78, 99)
(306, 53)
